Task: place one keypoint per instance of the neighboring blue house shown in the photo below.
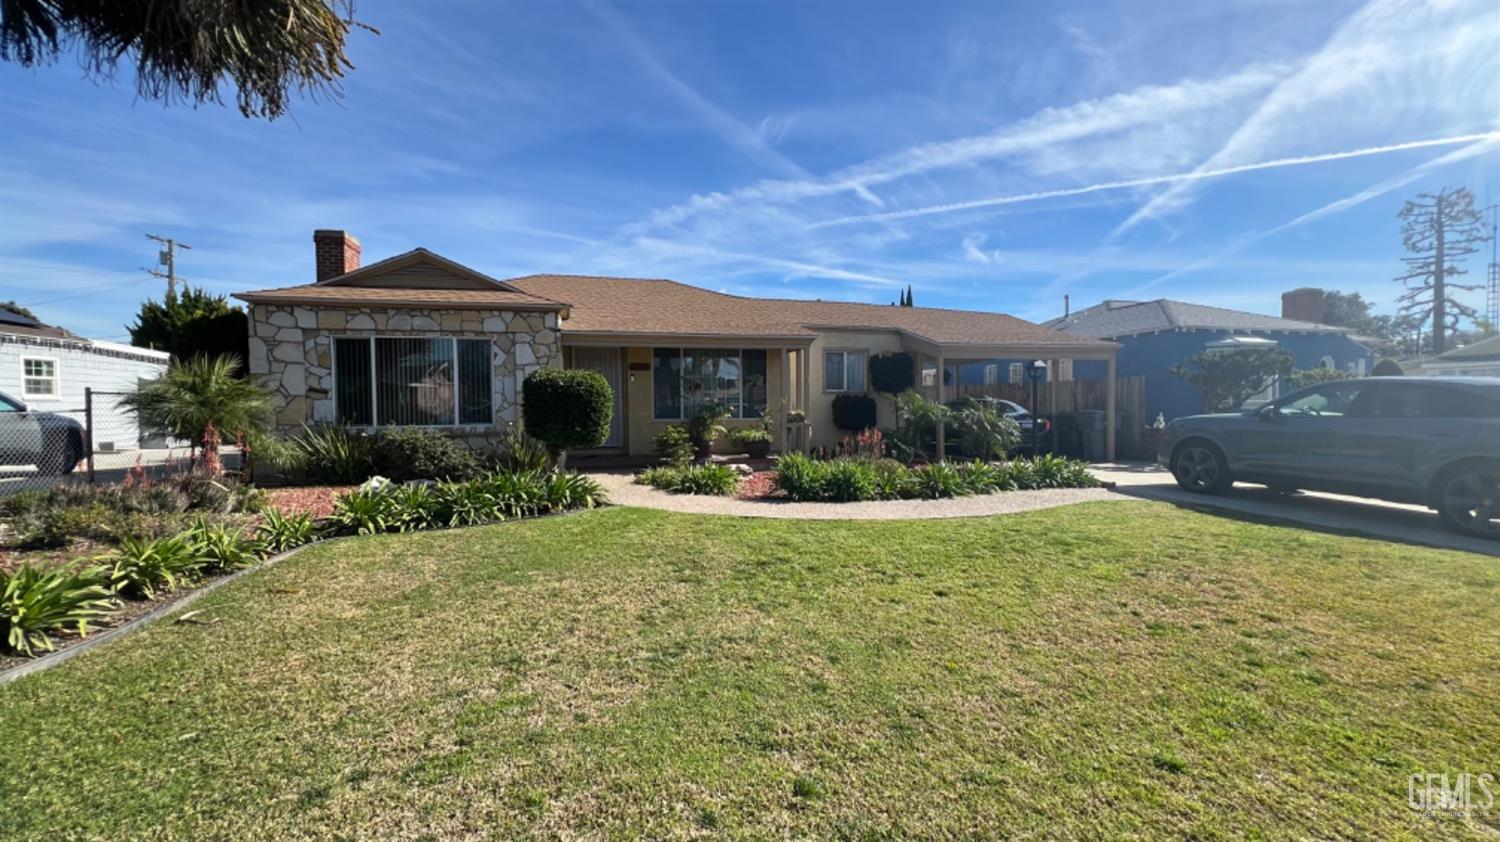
(1155, 336)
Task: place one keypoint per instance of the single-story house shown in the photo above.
(1155, 336)
(1477, 359)
(418, 339)
(48, 368)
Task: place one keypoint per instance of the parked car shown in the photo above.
(51, 442)
(1433, 441)
(1030, 426)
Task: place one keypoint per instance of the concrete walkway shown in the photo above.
(623, 491)
(1329, 512)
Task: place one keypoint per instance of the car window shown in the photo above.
(1333, 399)
(8, 405)
(1423, 400)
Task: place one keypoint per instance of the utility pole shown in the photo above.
(167, 258)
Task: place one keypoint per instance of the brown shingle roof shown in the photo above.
(637, 306)
(468, 299)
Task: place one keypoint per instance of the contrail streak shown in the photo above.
(1158, 179)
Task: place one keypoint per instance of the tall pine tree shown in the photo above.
(1439, 229)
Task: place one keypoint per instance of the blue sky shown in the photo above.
(833, 150)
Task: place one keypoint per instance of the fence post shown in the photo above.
(88, 429)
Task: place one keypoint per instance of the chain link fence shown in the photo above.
(99, 442)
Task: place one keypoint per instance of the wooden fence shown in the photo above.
(1076, 395)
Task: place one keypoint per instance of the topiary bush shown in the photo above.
(567, 410)
(893, 373)
(853, 412)
(407, 453)
(1388, 368)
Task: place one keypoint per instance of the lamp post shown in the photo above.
(1036, 370)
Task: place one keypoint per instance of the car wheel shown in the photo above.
(1470, 501)
(1199, 467)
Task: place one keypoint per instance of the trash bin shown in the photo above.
(1091, 425)
(1069, 435)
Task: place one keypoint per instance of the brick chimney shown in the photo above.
(1304, 305)
(337, 253)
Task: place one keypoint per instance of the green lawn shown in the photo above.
(1112, 669)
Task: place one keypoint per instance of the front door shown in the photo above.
(606, 361)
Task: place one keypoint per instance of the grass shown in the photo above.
(1112, 669)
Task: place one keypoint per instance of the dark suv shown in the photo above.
(51, 442)
(1428, 440)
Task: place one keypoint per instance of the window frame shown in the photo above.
(453, 340)
(681, 351)
(863, 352)
(55, 377)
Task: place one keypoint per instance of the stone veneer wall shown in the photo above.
(291, 349)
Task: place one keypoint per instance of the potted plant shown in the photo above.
(706, 425)
(755, 441)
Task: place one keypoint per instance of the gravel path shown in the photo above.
(624, 492)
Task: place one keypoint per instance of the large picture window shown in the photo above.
(683, 379)
(419, 381)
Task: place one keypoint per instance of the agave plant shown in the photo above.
(140, 566)
(33, 603)
(279, 533)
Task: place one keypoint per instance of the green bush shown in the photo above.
(853, 411)
(335, 455)
(674, 445)
(712, 480)
(749, 435)
(140, 566)
(516, 451)
(984, 431)
(221, 547)
(407, 453)
(567, 410)
(566, 492)
(413, 507)
(847, 479)
(466, 504)
(279, 533)
(33, 603)
(364, 512)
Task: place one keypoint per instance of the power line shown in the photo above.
(167, 258)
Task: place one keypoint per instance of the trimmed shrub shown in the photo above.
(1388, 368)
(33, 603)
(710, 480)
(853, 411)
(674, 445)
(847, 480)
(893, 373)
(567, 409)
(407, 453)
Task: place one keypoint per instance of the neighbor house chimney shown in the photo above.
(337, 253)
(1304, 305)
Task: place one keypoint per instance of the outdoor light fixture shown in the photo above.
(1036, 370)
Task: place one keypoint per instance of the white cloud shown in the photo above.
(1384, 66)
(974, 251)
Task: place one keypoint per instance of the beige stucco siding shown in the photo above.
(820, 408)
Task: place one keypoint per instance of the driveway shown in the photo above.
(1333, 512)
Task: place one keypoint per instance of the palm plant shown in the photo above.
(201, 400)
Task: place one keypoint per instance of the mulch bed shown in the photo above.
(758, 486)
(316, 500)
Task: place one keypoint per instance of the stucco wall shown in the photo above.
(292, 348)
(820, 408)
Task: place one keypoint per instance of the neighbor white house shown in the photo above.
(48, 368)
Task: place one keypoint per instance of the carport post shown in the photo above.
(1109, 411)
(942, 437)
(88, 429)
